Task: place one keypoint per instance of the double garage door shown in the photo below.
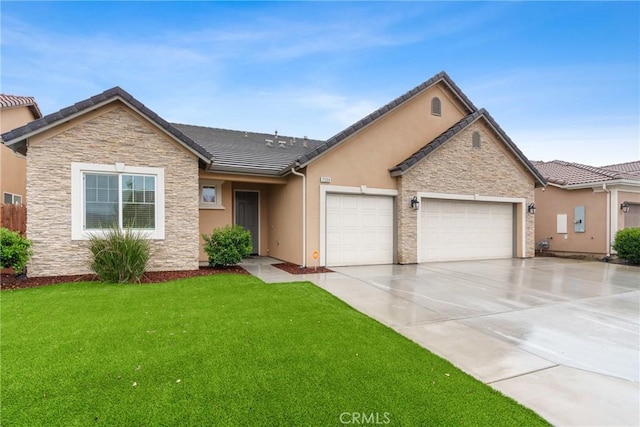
(360, 230)
(453, 230)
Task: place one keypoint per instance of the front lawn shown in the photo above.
(222, 350)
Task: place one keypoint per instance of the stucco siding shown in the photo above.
(457, 168)
(108, 135)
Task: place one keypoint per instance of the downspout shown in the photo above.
(604, 188)
(304, 215)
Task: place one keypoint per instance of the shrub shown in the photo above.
(15, 250)
(119, 256)
(228, 245)
(627, 244)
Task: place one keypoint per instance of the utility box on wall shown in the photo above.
(579, 219)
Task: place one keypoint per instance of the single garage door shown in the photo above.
(359, 229)
(453, 230)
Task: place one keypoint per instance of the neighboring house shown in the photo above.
(15, 111)
(583, 207)
(109, 159)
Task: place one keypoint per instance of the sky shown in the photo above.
(561, 78)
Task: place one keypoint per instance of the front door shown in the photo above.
(246, 213)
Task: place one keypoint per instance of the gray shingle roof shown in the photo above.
(340, 137)
(565, 173)
(247, 152)
(408, 163)
(632, 168)
(20, 134)
(10, 101)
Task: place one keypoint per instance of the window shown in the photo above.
(12, 199)
(104, 196)
(211, 194)
(436, 106)
(475, 140)
(126, 201)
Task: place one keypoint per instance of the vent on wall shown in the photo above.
(436, 106)
(475, 140)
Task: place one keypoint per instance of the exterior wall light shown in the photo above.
(624, 207)
(415, 204)
(531, 208)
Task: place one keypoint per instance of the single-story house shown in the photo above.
(583, 207)
(15, 111)
(427, 177)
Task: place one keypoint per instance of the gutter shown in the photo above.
(304, 215)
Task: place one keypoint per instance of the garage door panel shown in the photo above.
(359, 229)
(458, 230)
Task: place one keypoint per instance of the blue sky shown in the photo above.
(561, 78)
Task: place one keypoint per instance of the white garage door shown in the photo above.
(454, 230)
(359, 229)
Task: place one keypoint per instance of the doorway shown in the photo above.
(247, 214)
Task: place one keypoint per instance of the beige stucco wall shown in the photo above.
(113, 133)
(13, 177)
(285, 220)
(625, 196)
(553, 201)
(13, 166)
(366, 157)
(457, 168)
(210, 219)
(11, 118)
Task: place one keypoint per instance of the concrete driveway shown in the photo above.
(560, 336)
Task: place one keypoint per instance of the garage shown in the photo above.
(359, 229)
(455, 230)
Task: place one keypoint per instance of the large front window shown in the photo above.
(125, 201)
(117, 195)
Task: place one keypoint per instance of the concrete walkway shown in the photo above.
(560, 336)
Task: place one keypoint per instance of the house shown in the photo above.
(427, 177)
(15, 111)
(583, 207)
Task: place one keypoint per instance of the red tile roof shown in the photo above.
(565, 173)
(10, 101)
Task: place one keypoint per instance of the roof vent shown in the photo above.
(305, 142)
(282, 144)
(245, 134)
(269, 142)
(292, 141)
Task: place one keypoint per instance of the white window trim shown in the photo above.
(77, 197)
(211, 183)
(13, 198)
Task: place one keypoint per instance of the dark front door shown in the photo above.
(247, 215)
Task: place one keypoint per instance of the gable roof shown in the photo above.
(19, 135)
(12, 101)
(404, 166)
(247, 152)
(565, 173)
(340, 137)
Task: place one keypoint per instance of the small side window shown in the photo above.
(475, 140)
(211, 194)
(436, 106)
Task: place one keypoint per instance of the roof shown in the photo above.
(565, 173)
(12, 101)
(407, 164)
(632, 168)
(35, 127)
(340, 137)
(248, 152)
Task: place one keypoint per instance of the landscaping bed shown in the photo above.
(296, 269)
(10, 281)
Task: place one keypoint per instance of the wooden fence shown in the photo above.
(14, 217)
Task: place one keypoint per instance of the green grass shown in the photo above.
(222, 350)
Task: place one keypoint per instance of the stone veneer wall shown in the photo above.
(112, 135)
(457, 168)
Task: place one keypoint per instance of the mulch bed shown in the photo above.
(10, 281)
(296, 269)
